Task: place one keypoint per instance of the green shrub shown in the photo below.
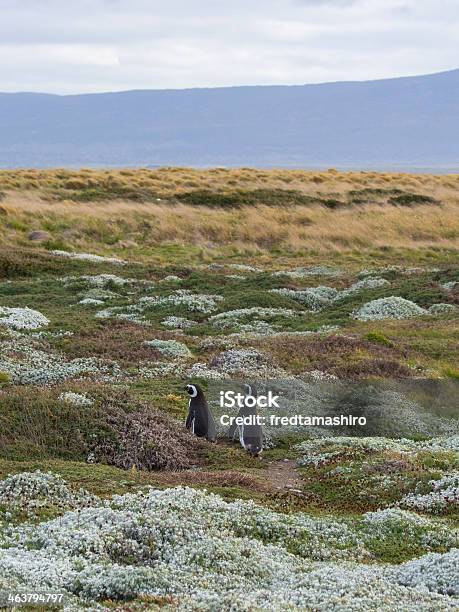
(118, 430)
(369, 192)
(110, 192)
(378, 337)
(412, 199)
(258, 299)
(333, 204)
(239, 198)
(4, 379)
(451, 373)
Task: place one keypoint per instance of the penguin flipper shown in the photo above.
(189, 420)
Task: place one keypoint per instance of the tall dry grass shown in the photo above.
(257, 228)
(170, 181)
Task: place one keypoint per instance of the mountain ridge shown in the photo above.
(387, 122)
(226, 87)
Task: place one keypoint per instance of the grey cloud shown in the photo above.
(95, 45)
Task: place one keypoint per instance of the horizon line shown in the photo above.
(220, 87)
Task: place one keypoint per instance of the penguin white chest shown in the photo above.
(192, 422)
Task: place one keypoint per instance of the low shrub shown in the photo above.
(412, 199)
(22, 263)
(4, 379)
(239, 198)
(117, 430)
(378, 337)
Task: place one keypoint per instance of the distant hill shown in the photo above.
(405, 122)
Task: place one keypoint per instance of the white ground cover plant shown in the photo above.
(46, 335)
(440, 309)
(90, 302)
(388, 308)
(232, 318)
(314, 298)
(311, 271)
(397, 269)
(88, 257)
(194, 302)
(400, 416)
(246, 362)
(366, 283)
(171, 279)
(258, 328)
(95, 293)
(323, 450)
(450, 286)
(202, 370)
(244, 268)
(76, 399)
(318, 298)
(209, 554)
(383, 524)
(438, 573)
(169, 348)
(159, 369)
(31, 491)
(378, 444)
(26, 364)
(128, 313)
(100, 281)
(319, 376)
(218, 342)
(22, 318)
(443, 497)
(178, 322)
(445, 443)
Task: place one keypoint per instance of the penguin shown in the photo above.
(200, 419)
(250, 436)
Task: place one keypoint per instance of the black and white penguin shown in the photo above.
(200, 419)
(250, 436)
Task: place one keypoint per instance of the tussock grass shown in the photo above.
(145, 183)
(140, 228)
(230, 211)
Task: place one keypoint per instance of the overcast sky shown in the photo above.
(64, 46)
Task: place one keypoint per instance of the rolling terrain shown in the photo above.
(337, 290)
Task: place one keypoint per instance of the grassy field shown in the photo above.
(119, 287)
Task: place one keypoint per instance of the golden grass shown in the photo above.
(293, 230)
(170, 181)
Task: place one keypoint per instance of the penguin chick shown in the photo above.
(200, 419)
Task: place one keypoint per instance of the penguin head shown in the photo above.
(193, 390)
(254, 450)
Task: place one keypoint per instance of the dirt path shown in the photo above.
(282, 475)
